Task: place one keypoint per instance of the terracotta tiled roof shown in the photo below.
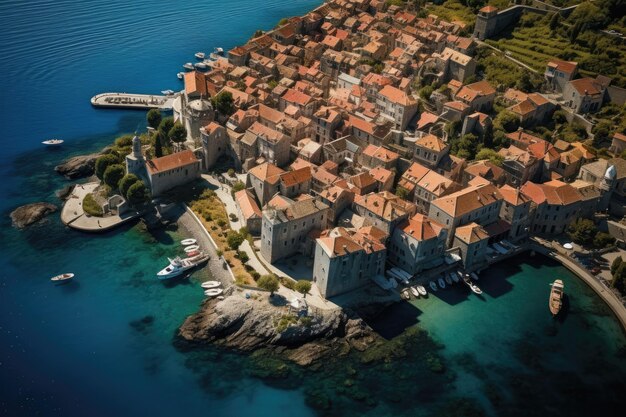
(397, 96)
(266, 172)
(471, 233)
(513, 196)
(298, 176)
(385, 205)
(586, 86)
(421, 227)
(248, 206)
(431, 142)
(381, 153)
(552, 192)
(565, 66)
(469, 199)
(172, 161)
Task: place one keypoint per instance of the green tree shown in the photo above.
(575, 31)
(603, 240)
(491, 155)
(124, 141)
(154, 118)
(582, 231)
(507, 121)
(158, 146)
(615, 264)
(269, 283)
(619, 278)
(223, 103)
(103, 162)
(283, 21)
(234, 239)
(303, 286)
(126, 182)
(113, 174)
(137, 193)
(238, 186)
(178, 133)
(166, 125)
(401, 192)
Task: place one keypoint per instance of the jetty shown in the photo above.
(133, 101)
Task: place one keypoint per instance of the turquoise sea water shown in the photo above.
(102, 345)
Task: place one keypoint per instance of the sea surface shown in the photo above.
(104, 344)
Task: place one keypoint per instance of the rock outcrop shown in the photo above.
(65, 192)
(78, 166)
(31, 213)
(248, 324)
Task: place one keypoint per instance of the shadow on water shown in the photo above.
(565, 310)
(452, 295)
(395, 319)
(162, 237)
(69, 288)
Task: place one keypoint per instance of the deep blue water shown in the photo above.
(102, 346)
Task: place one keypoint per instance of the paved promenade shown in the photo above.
(75, 217)
(132, 101)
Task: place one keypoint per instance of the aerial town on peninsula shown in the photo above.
(366, 144)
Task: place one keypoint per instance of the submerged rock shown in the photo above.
(31, 213)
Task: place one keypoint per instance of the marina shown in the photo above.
(132, 101)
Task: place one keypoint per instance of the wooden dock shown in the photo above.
(133, 101)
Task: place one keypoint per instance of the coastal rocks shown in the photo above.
(31, 213)
(248, 324)
(80, 166)
(65, 192)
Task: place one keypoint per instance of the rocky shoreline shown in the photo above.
(254, 324)
(31, 213)
(80, 166)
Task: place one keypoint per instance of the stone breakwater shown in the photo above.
(249, 324)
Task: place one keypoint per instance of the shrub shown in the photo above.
(137, 193)
(103, 162)
(303, 286)
(234, 239)
(603, 240)
(221, 222)
(255, 275)
(113, 175)
(288, 283)
(126, 182)
(243, 257)
(269, 283)
(230, 172)
(582, 231)
(233, 217)
(616, 263)
(91, 207)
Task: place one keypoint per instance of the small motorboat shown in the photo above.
(199, 55)
(405, 295)
(218, 51)
(474, 275)
(212, 292)
(421, 290)
(177, 266)
(415, 292)
(556, 297)
(167, 92)
(191, 248)
(448, 279)
(63, 277)
(180, 75)
(433, 286)
(187, 242)
(52, 142)
(210, 284)
(188, 66)
(454, 277)
(441, 283)
(200, 65)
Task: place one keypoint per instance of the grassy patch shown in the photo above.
(211, 212)
(91, 207)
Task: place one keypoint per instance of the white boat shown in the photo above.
(63, 277)
(167, 92)
(191, 248)
(187, 242)
(448, 279)
(213, 292)
(405, 295)
(473, 287)
(210, 284)
(199, 55)
(474, 275)
(218, 51)
(415, 292)
(52, 142)
(441, 283)
(433, 286)
(454, 277)
(188, 66)
(180, 75)
(421, 290)
(200, 65)
(177, 266)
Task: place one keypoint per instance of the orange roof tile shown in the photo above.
(172, 161)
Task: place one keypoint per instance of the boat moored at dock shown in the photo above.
(188, 66)
(187, 242)
(471, 285)
(415, 292)
(421, 290)
(199, 55)
(433, 286)
(441, 283)
(178, 265)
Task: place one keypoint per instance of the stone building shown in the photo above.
(170, 171)
(472, 241)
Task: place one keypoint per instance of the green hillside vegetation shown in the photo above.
(577, 38)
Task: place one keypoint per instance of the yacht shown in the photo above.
(167, 92)
(62, 278)
(200, 65)
(441, 282)
(218, 51)
(433, 286)
(188, 66)
(178, 265)
(199, 55)
(556, 297)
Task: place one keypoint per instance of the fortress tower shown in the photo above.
(486, 22)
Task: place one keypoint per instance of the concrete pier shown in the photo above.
(133, 101)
